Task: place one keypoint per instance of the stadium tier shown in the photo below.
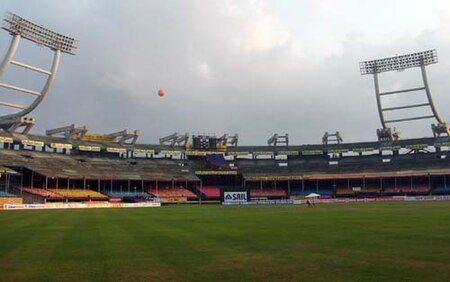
(167, 192)
(42, 192)
(371, 190)
(118, 194)
(79, 193)
(70, 173)
(405, 189)
(441, 189)
(55, 165)
(210, 192)
(6, 194)
(344, 192)
(269, 193)
(303, 190)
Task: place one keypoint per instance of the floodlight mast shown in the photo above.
(19, 28)
(399, 63)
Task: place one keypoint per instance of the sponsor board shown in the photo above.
(312, 152)
(80, 205)
(144, 151)
(23, 207)
(390, 148)
(427, 198)
(215, 172)
(140, 205)
(274, 177)
(6, 139)
(203, 153)
(166, 200)
(115, 150)
(360, 150)
(263, 153)
(169, 152)
(89, 148)
(267, 202)
(11, 200)
(238, 153)
(442, 144)
(337, 151)
(33, 143)
(288, 153)
(60, 146)
(235, 196)
(417, 146)
(115, 199)
(96, 137)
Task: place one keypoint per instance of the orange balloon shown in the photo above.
(161, 92)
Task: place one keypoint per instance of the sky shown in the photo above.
(252, 67)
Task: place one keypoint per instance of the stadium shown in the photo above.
(71, 168)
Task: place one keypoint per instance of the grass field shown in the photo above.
(334, 242)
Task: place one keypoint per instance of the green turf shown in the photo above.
(334, 242)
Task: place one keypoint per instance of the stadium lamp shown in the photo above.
(38, 34)
(399, 63)
(19, 28)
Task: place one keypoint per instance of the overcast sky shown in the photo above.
(252, 67)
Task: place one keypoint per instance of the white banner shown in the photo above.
(235, 197)
(80, 205)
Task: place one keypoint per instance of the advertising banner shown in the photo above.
(235, 196)
(80, 205)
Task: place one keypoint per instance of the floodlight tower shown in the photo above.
(399, 63)
(19, 28)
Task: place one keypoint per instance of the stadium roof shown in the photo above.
(333, 176)
(307, 149)
(79, 167)
(7, 170)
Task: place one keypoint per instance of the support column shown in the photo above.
(428, 91)
(429, 182)
(377, 94)
(381, 186)
(289, 187)
(10, 54)
(21, 182)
